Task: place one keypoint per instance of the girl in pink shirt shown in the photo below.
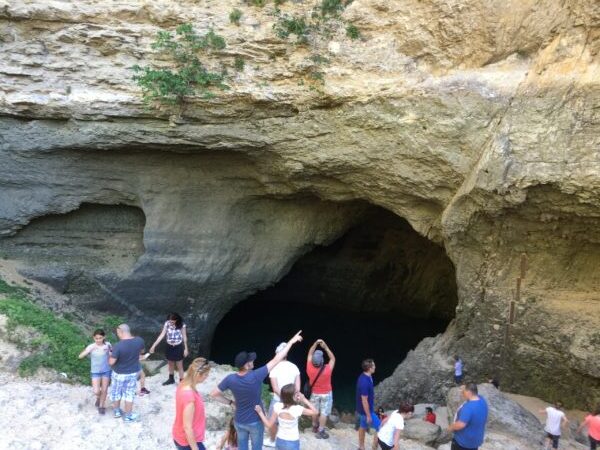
(190, 418)
(593, 424)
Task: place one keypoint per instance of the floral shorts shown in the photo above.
(123, 386)
(323, 403)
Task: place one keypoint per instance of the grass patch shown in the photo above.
(235, 15)
(58, 341)
(352, 32)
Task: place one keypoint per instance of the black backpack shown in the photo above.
(307, 388)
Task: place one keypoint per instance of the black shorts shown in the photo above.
(594, 443)
(383, 445)
(174, 352)
(553, 438)
(457, 446)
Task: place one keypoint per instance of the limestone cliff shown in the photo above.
(476, 121)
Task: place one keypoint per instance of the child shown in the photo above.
(381, 414)
(177, 349)
(230, 438)
(142, 377)
(390, 432)
(286, 413)
(429, 415)
(99, 352)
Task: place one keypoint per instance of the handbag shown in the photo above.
(307, 388)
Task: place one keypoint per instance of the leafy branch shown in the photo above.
(189, 76)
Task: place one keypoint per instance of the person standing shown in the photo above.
(319, 376)
(282, 374)
(287, 412)
(470, 420)
(555, 418)
(125, 362)
(99, 353)
(458, 370)
(391, 430)
(177, 346)
(592, 422)
(365, 396)
(190, 416)
(246, 388)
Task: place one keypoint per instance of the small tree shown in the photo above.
(189, 76)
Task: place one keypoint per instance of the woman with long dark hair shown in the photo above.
(177, 348)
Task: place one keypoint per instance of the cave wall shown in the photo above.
(477, 122)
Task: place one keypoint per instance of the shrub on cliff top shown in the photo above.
(189, 76)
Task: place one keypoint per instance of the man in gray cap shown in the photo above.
(319, 377)
(246, 388)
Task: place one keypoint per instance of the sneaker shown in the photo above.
(117, 413)
(131, 417)
(144, 391)
(169, 381)
(268, 442)
(322, 435)
(101, 411)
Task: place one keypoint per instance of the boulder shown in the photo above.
(421, 431)
(505, 415)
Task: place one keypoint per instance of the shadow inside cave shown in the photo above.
(376, 292)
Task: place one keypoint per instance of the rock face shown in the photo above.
(476, 122)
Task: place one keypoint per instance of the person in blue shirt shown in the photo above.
(246, 388)
(365, 395)
(470, 420)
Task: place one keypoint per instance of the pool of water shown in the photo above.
(261, 326)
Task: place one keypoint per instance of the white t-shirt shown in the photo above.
(386, 432)
(288, 428)
(285, 373)
(553, 420)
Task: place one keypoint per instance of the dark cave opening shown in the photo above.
(376, 292)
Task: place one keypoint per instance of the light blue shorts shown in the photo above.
(101, 374)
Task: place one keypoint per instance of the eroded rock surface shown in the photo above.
(477, 122)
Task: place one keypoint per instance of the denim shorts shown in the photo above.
(281, 444)
(323, 403)
(101, 374)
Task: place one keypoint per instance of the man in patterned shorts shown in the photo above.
(125, 362)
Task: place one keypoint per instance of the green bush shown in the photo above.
(288, 25)
(352, 32)
(235, 15)
(331, 7)
(239, 63)
(189, 76)
(59, 342)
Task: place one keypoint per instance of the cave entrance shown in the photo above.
(375, 292)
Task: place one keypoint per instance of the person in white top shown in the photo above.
(555, 417)
(391, 429)
(282, 374)
(286, 413)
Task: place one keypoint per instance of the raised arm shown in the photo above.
(329, 354)
(311, 350)
(282, 354)
(309, 408)
(158, 339)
